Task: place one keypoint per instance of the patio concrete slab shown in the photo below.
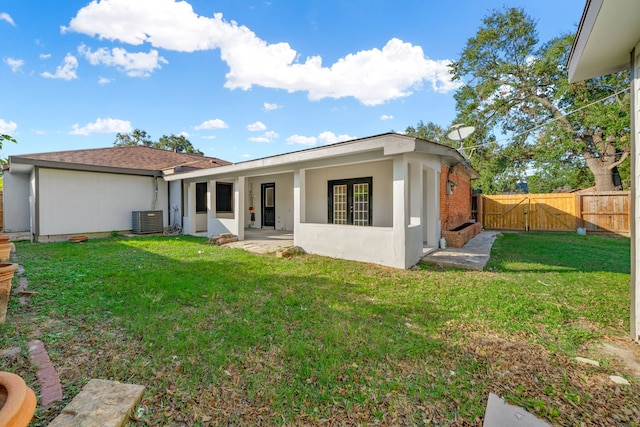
(262, 241)
(472, 256)
(501, 414)
(100, 403)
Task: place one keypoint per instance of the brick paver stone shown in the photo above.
(100, 403)
(50, 388)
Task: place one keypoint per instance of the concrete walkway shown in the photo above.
(473, 256)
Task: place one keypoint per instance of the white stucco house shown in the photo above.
(608, 41)
(374, 199)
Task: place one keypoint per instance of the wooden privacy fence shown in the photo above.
(597, 212)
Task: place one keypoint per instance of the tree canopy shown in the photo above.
(555, 133)
(176, 143)
(5, 137)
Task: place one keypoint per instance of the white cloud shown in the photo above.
(104, 81)
(325, 138)
(7, 127)
(266, 138)
(185, 134)
(138, 64)
(66, 71)
(270, 107)
(386, 117)
(371, 76)
(208, 137)
(256, 127)
(212, 124)
(14, 64)
(107, 125)
(6, 17)
(45, 56)
(302, 140)
(331, 138)
(246, 156)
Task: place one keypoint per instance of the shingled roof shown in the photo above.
(130, 158)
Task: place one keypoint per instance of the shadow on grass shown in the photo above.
(182, 313)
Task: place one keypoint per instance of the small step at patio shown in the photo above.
(472, 256)
(100, 403)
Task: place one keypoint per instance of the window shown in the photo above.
(350, 201)
(201, 197)
(224, 197)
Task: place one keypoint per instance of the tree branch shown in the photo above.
(624, 156)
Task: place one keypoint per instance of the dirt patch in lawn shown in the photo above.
(552, 385)
(621, 352)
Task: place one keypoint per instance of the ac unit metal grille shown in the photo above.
(144, 222)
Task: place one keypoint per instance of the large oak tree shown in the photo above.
(176, 143)
(519, 87)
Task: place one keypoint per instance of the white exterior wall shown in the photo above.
(175, 195)
(635, 193)
(366, 244)
(317, 186)
(72, 202)
(396, 237)
(284, 200)
(16, 199)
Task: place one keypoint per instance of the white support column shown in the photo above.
(400, 215)
(299, 198)
(635, 194)
(189, 219)
(211, 203)
(431, 209)
(299, 201)
(238, 202)
(416, 191)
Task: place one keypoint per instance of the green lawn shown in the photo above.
(221, 336)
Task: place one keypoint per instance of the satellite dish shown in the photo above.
(460, 132)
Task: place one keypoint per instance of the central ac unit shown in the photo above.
(144, 222)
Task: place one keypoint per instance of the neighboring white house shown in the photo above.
(608, 41)
(374, 199)
(53, 195)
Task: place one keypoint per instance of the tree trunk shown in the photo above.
(603, 175)
(603, 159)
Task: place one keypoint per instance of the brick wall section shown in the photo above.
(455, 208)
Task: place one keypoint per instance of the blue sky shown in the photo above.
(240, 79)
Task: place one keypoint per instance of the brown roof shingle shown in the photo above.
(129, 157)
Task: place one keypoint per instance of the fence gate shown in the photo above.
(535, 212)
(507, 212)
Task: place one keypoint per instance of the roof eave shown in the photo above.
(607, 33)
(81, 167)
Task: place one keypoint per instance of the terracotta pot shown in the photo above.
(19, 401)
(4, 238)
(5, 251)
(7, 271)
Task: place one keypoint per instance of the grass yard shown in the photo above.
(221, 336)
